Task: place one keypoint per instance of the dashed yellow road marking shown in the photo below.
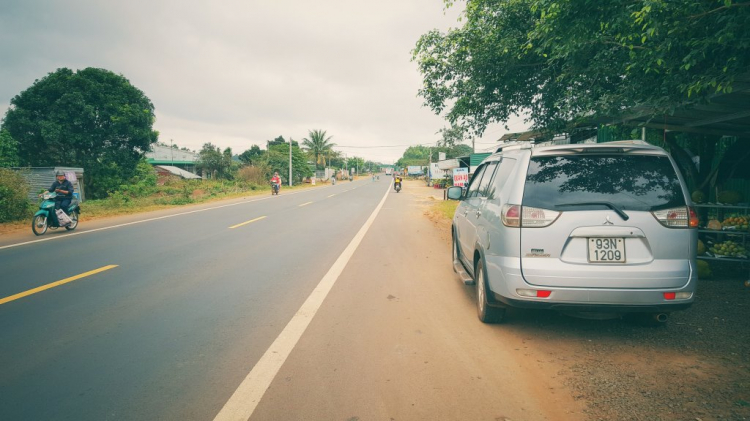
(247, 222)
(54, 284)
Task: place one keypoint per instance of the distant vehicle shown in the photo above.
(593, 230)
(388, 171)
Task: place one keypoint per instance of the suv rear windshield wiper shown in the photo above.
(610, 205)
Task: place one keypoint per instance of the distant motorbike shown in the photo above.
(275, 189)
(46, 217)
(397, 186)
(333, 181)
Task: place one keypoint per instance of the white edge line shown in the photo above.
(141, 221)
(245, 399)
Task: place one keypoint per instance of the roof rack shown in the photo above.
(514, 145)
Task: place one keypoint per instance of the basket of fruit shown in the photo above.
(735, 222)
(728, 249)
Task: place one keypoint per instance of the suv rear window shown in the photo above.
(634, 182)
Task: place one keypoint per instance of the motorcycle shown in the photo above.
(46, 217)
(333, 181)
(397, 186)
(275, 189)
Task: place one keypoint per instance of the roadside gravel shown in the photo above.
(696, 367)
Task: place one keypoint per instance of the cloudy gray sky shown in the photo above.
(238, 73)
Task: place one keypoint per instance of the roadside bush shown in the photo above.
(252, 175)
(14, 201)
(143, 183)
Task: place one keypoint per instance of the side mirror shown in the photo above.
(455, 193)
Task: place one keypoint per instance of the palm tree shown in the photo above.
(318, 145)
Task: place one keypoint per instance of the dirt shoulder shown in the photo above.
(696, 367)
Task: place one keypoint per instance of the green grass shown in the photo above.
(164, 197)
(445, 209)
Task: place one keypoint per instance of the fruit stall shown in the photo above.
(724, 233)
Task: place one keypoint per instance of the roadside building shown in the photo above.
(41, 178)
(164, 155)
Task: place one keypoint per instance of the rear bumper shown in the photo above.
(504, 276)
(594, 308)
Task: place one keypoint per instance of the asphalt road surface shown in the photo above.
(332, 303)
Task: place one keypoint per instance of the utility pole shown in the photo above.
(171, 151)
(429, 169)
(290, 161)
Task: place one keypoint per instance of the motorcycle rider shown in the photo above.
(276, 180)
(64, 190)
(397, 180)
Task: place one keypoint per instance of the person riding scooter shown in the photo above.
(397, 183)
(64, 190)
(275, 183)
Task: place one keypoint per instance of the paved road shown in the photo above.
(185, 306)
(183, 317)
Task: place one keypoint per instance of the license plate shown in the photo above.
(606, 250)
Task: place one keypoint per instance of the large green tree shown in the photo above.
(92, 118)
(559, 60)
(318, 145)
(215, 163)
(251, 156)
(8, 150)
(278, 160)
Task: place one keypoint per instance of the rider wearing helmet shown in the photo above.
(64, 190)
(276, 181)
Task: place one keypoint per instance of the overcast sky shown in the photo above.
(238, 73)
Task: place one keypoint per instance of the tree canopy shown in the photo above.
(559, 60)
(318, 145)
(215, 162)
(8, 150)
(278, 160)
(91, 118)
(420, 155)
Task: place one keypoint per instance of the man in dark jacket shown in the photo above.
(64, 190)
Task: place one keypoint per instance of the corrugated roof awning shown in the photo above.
(726, 114)
(179, 172)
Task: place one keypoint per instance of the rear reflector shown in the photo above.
(669, 295)
(535, 293)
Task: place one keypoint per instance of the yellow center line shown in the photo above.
(305, 204)
(247, 222)
(55, 284)
(332, 195)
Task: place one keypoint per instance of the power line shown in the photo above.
(384, 146)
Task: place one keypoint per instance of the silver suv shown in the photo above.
(587, 229)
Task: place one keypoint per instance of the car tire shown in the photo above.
(485, 312)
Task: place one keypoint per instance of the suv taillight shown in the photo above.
(511, 216)
(682, 217)
(528, 217)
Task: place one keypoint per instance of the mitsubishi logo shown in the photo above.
(608, 221)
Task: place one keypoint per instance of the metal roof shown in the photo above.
(726, 114)
(179, 172)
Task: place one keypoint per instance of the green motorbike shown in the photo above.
(46, 217)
